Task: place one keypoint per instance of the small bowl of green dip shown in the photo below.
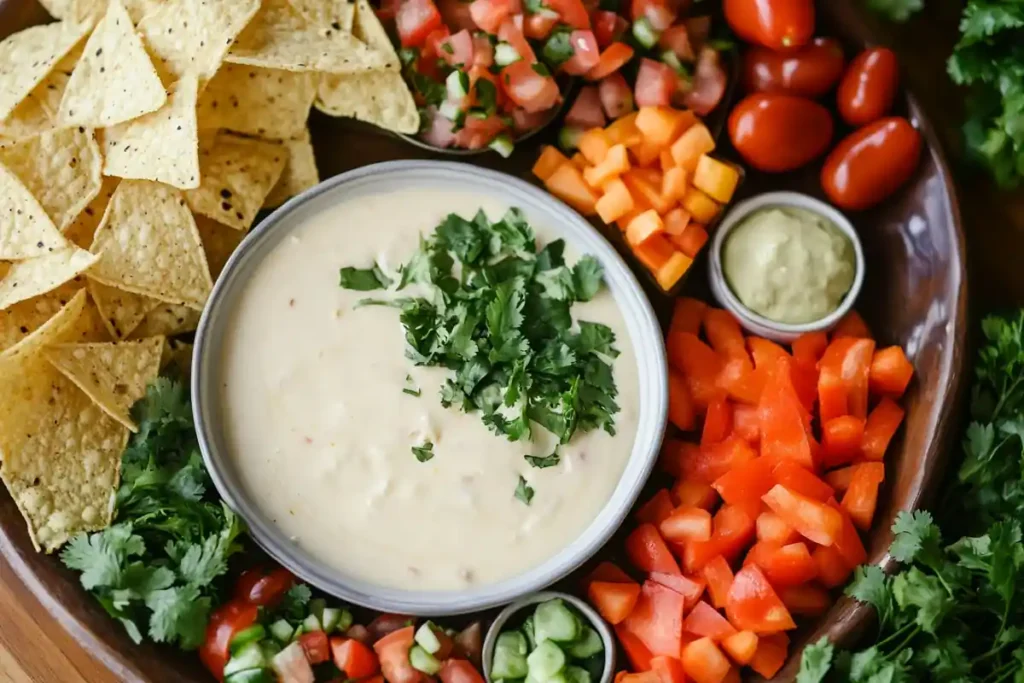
(785, 264)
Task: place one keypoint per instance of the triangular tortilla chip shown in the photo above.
(75, 10)
(148, 244)
(26, 230)
(162, 145)
(269, 103)
(192, 36)
(25, 317)
(82, 229)
(114, 80)
(168, 320)
(114, 375)
(35, 276)
(121, 311)
(56, 329)
(28, 56)
(37, 113)
(367, 28)
(336, 14)
(237, 175)
(219, 242)
(299, 173)
(61, 168)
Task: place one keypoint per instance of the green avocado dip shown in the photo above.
(789, 265)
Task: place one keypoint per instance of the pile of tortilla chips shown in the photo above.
(138, 141)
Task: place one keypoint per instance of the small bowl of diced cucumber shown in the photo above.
(549, 637)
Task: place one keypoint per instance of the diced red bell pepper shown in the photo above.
(810, 346)
(668, 669)
(880, 427)
(891, 372)
(746, 423)
(741, 647)
(614, 601)
(840, 479)
(738, 379)
(655, 84)
(608, 572)
(800, 480)
(690, 589)
(698, 363)
(753, 605)
(710, 462)
(841, 439)
(674, 453)
(717, 422)
(647, 551)
(718, 575)
(767, 356)
(852, 325)
(686, 524)
(812, 519)
(681, 411)
(657, 619)
(848, 542)
(353, 657)
(690, 492)
(746, 481)
(784, 427)
(861, 497)
(771, 529)
(807, 600)
(636, 652)
(705, 621)
(704, 662)
(772, 652)
(687, 315)
(843, 378)
(640, 677)
(733, 531)
(833, 570)
(415, 20)
(657, 509)
(788, 565)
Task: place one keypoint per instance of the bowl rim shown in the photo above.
(641, 322)
(595, 619)
(774, 330)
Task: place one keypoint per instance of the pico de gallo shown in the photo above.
(486, 72)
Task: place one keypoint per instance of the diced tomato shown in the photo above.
(386, 623)
(657, 619)
(353, 657)
(225, 622)
(393, 652)
(880, 427)
(456, 15)
(843, 379)
(457, 49)
(690, 589)
(459, 671)
(699, 363)
(801, 480)
(807, 600)
(753, 605)
(861, 497)
(608, 26)
(788, 565)
(686, 524)
(314, 645)
(733, 531)
(439, 131)
(477, 133)
(612, 58)
(658, 12)
(586, 111)
(572, 12)
(263, 588)
(360, 633)
(586, 53)
(647, 551)
(708, 85)
(636, 652)
(677, 40)
(890, 372)
(705, 621)
(524, 121)
(613, 600)
(668, 669)
(657, 509)
(841, 439)
(704, 662)
(848, 542)
(771, 654)
(511, 32)
(719, 577)
(655, 83)
(483, 51)
(527, 88)
(488, 15)
(812, 519)
(415, 20)
(539, 26)
(771, 529)
(784, 428)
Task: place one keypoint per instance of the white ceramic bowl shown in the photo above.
(758, 324)
(539, 207)
(582, 607)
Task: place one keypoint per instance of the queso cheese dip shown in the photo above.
(320, 431)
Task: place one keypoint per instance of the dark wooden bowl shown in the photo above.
(915, 295)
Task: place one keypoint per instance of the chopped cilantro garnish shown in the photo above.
(486, 96)
(410, 387)
(541, 463)
(540, 69)
(425, 452)
(447, 47)
(364, 279)
(524, 491)
(556, 51)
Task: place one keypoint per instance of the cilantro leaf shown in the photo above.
(896, 10)
(916, 534)
(425, 452)
(460, 237)
(178, 614)
(596, 338)
(524, 491)
(364, 279)
(915, 589)
(541, 463)
(557, 283)
(101, 556)
(870, 585)
(815, 662)
(587, 277)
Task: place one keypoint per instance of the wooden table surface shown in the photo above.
(34, 648)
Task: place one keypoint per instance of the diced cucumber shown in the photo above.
(333, 619)
(291, 664)
(505, 54)
(587, 644)
(427, 639)
(576, 674)
(546, 661)
(248, 657)
(503, 145)
(316, 607)
(509, 659)
(594, 666)
(282, 630)
(254, 633)
(252, 676)
(559, 677)
(568, 138)
(644, 33)
(527, 629)
(421, 660)
(451, 111)
(270, 648)
(311, 623)
(552, 620)
(457, 85)
(670, 58)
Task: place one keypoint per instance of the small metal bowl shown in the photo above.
(758, 324)
(599, 625)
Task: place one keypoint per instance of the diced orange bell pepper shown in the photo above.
(881, 426)
(716, 179)
(673, 271)
(676, 221)
(624, 131)
(680, 405)
(807, 600)
(890, 372)
(784, 427)
(840, 479)
(694, 142)
(812, 519)
(848, 543)
(746, 423)
(861, 497)
(718, 576)
(771, 529)
(692, 240)
(668, 669)
(704, 662)
(705, 621)
(692, 492)
(698, 363)
(788, 565)
(666, 161)
(772, 652)
(614, 164)
(655, 510)
(715, 460)
(594, 145)
(662, 125)
(841, 439)
(833, 570)
(843, 378)
(615, 202)
(614, 601)
(753, 605)
(852, 325)
(636, 652)
(647, 183)
(746, 481)
(673, 184)
(657, 619)
(567, 184)
(801, 480)
(655, 252)
(717, 422)
(741, 647)
(548, 162)
(643, 227)
(686, 524)
(810, 346)
(701, 207)
(687, 314)
(690, 589)
(608, 572)
(647, 551)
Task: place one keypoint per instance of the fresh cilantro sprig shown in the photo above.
(895, 10)
(156, 569)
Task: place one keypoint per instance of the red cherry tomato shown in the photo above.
(777, 133)
(869, 87)
(871, 163)
(810, 71)
(776, 24)
(225, 622)
(261, 588)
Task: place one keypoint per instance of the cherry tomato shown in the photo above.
(775, 24)
(777, 133)
(225, 622)
(262, 588)
(810, 71)
(869, 87)
(871, 163)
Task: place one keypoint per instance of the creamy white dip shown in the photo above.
(321, 433)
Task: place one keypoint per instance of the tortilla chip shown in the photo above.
(336, 14)
(54, 329)
(279, 37)
(269, 103)
(192, 36)
(25, 317)
(299, 173)
(35, 276)
(168, 320)
(28, 56)
(37, 113)
(26, 231)
(61, 168)
(82, 229)
(114, 375)
(237, 175)
(75, 10)
(367, 28)
(61, 454)
(114, 80)
(148, 244)
(162, 145)
(219, 242)
(120, 311)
